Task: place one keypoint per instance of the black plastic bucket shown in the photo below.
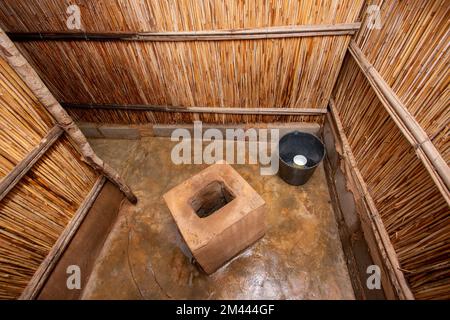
(308, 152)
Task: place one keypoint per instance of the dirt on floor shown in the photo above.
(144, 257)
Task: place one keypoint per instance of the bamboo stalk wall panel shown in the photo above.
(36, 211)
(411, 53)
(46, 184)
(415, 214)
(173, 15)
(10, 53)
(411, 130)
(23, 120)
(287, 73)
(296, 73)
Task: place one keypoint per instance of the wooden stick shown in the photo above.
(9, 181)
(9, 53)
(383, 240)
(408, 125)
(42, 273)
(217, 110)
(205, 35)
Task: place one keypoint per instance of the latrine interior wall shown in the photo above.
(36, 208)
(410, 52)
(407, 44)
(283, 72)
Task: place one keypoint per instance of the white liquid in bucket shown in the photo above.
(300, 160)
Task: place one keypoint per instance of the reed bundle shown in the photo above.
(415, 215)
(23, 120)
(296, 73)
(410, 52)
(36, 211)
(174, 15)
(10, 53)
(412, 55)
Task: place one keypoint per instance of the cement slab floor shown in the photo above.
(300, 257)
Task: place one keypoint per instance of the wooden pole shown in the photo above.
(14, 58)
(205, 35)
(218, 110)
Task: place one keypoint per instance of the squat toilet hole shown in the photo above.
(211, 198)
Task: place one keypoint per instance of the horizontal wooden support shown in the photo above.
(294, 31)
(408, 125)
(372, 217)
(219, 110)
(138, 131)
(40, 276)
(21, 169)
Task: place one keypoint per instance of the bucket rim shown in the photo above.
(306, 133)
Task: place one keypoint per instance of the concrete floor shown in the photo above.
(300, 257)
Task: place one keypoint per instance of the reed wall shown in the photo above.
(241, 73)
(290, 73)
(174, 15)
(23, 121)
(35, 212)
(411, 53)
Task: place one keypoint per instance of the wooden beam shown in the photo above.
(385, 247)
(138, 131)
(294, 31)
(20, 65)
(218, 110)
(408, 125)
(40, 276)
(21, 169)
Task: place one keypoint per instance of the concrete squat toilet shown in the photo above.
(218, 215)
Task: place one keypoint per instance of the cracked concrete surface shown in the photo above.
(144, 257)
